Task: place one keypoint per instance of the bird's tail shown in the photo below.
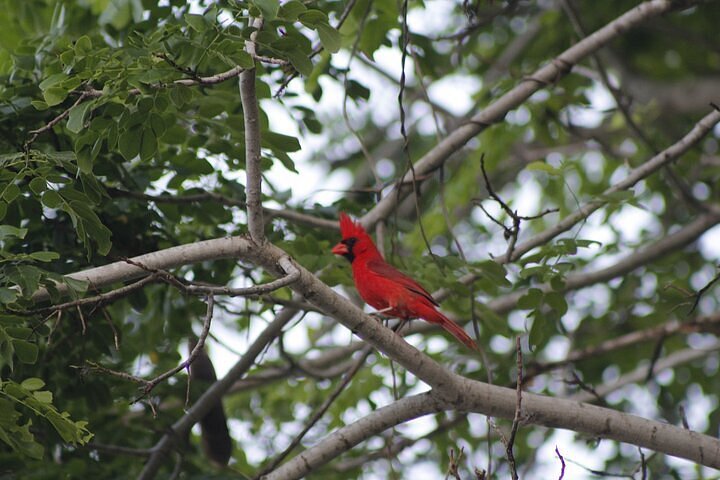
(433, 316)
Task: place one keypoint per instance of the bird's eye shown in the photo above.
(350, 242)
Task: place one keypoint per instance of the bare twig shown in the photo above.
(511, 233)
(191, 288)
(518, 409)
(454, 464)
(35, 133)
(562, 463)
(206, 196)
(683, 417)
(643, 464)
(548, 74)
(704, 290)
(100, 299)
(193, 354)
(119, 450)
(211, 396)
(149, 385)
(320, 411)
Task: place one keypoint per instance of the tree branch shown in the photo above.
(640, 373)
(251, 116)
(455, 391)
(674, 151)
(212, 395)
(496, 111)
(206, 196)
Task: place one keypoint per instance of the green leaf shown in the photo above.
(148, 147)
(32, 384)
(269, 8)
(494, 272)
(129, 142)
(53, 80)
(311, 18)
(83, 46)
(290, 10)
(79, 286)
(196, 22)
(44, 397)
(39, 105)
(329, 37)
(55, 95)
(491, 320)
(284, 143)
(85, 159)
(10, 231)
(541, 329)
(8, 295)
(300, 61)
(557, 302)
(44, 256)
(78, 114)
(38, 185)
(11, 192)
(51, 199)
(543, 167)
(531, 299)
(26, 352)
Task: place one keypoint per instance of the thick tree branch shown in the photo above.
(251, 116)
(479, 397)
(640, 373)
(455, 391)
(655, 163)
(345, 438)
(496, 111)
(98, 277)
(209, 399)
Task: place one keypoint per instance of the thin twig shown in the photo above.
(511, 233)
(320, 411)
(683, 417)
(149, 385)
(193, 354)
(206, 196)
(35, 133)
(211, 396)
(518, 409)
(119, 450)
(100, 299)
(702, 292)
(192, 288)
(562, 463)
(454, 463)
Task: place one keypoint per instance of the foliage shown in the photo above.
(122, 133)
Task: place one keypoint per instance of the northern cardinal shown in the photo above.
(386, 288)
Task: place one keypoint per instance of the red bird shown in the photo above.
(386, 288)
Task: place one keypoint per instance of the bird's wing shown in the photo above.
(387, 271)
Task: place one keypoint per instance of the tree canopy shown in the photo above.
(172, 178)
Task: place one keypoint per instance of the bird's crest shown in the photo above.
(350, 228)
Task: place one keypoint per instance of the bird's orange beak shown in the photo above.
(340, 249)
